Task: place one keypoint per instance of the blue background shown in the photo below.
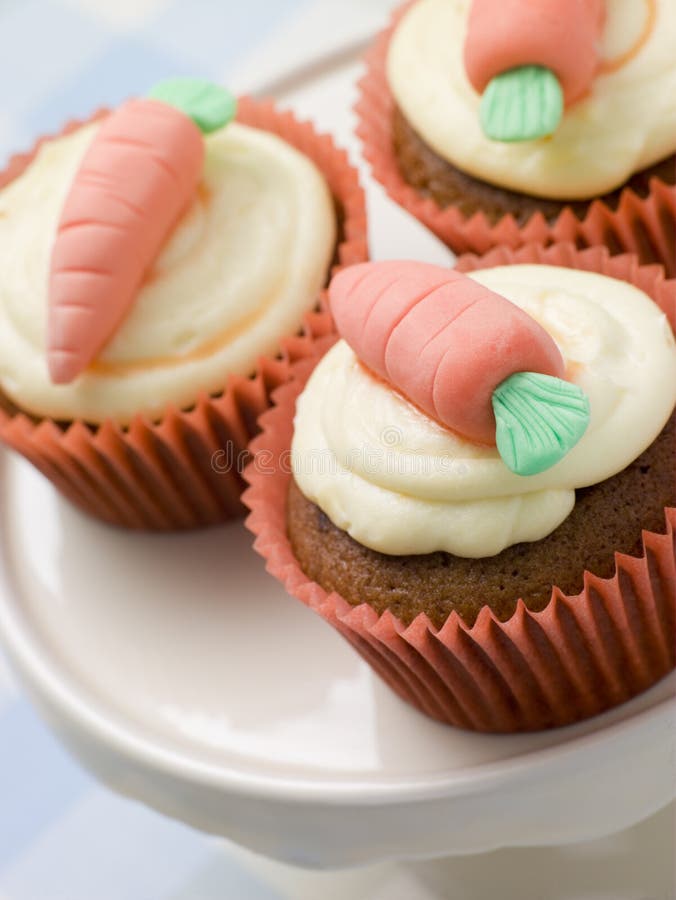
(62, 836)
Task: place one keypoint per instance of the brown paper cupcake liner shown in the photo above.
(580, 655)
(644, 226)
(185, 470)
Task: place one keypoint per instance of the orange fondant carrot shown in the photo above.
(444, 340)
(560, 35)
(135, 180)
(465, 355)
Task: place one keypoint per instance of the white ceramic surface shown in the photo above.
(182, 675)
(636, 864)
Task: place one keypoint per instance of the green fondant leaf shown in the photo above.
(538, 420)
(521, 104)
(208, 105)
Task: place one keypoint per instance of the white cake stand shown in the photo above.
(183, 676)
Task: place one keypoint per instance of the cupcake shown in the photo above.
(481, 496)
(162, 268)
(511, 122)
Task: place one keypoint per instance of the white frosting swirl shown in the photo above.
(627, 122)
(242, 267)
(399, 483)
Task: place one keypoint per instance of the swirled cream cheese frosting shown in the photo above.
(239, 271)
(625, 123)
(400, 483)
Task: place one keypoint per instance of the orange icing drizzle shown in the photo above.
(206, 349)
(616, 62)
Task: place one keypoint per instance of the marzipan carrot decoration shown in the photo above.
(138, 176)
(464, 355)
(529, 58)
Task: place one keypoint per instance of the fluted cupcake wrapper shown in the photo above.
(645, 226)
(184, 471)
(577, 657)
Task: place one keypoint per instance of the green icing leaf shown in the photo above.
(538, 420)
(208, 105)
(521, 104)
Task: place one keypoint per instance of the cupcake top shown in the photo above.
(238, 259)
(612, 64)
(385, 466)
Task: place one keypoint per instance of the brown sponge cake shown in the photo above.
(608, 517)
(447, 185)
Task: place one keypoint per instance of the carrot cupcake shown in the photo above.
(507, 122)
(162, 266)
(483, 496)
